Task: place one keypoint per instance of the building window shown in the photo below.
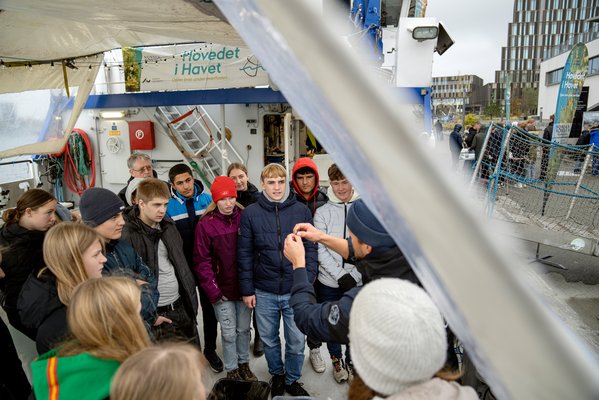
(593, 66)
(554, 77)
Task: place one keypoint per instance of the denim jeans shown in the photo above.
(269, 308)
(234, 318)
(326, 293)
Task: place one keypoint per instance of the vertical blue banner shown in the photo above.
(573, 76)
(507, 96)
(570, 87)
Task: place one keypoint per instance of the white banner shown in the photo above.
(193, 66)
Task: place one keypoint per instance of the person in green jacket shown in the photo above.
(106, 328)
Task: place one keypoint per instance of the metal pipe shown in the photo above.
(286, 136)
(223, 142)
(587, 159)
(99, 171)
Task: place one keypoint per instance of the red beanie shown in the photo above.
(222, 187)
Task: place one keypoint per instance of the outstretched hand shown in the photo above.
(294, 251)
(308, 231)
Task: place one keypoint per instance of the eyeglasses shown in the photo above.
(147, 168)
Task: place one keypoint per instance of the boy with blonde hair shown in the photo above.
(265, 276)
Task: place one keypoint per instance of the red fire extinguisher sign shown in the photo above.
(141, 135)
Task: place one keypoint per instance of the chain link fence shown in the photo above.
(521, 177)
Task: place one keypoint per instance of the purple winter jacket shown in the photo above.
(215, 255)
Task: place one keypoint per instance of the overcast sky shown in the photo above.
(479, 29)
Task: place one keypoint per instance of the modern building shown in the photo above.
(550, 78)
(452, 93)
(539, 27)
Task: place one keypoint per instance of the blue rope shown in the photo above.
(514, 177)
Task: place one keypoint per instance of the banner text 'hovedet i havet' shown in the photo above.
(194, 66)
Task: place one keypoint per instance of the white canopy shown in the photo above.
(34, 30)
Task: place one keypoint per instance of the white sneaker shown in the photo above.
(339, 372)
(317, 361)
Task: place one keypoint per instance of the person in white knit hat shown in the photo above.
(399, 344)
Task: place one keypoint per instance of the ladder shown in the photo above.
(198, 138)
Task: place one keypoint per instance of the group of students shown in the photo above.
(245, 251)
(85, 325)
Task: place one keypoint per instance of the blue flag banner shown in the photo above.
(507, 97)
(573, 76)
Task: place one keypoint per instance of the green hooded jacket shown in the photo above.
(80, 377)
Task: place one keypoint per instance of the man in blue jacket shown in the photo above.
(369, 247)
(265, 276)
(374, 253)
(186, 205)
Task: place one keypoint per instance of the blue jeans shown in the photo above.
(269, 308)
(326, 293)
(234, 318)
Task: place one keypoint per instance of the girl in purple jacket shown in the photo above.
(215, 265)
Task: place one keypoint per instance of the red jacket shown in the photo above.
(215, 255)
(318, 197)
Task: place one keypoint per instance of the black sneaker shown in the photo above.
(277, 385)
(216, 364)
(296, 389)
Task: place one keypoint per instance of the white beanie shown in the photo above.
(132, 187)
(397, 335)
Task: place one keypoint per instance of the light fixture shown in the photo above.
(112, 114)
(421, 33)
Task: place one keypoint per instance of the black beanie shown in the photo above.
(362, 222)
(97, 205)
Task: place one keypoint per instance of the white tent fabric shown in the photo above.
(44, 76)
(85, 82)
(37, 30)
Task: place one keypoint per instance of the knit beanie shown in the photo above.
(362, 222)
(132, 187)
(397, 335)
(98, 205)
(222, 187)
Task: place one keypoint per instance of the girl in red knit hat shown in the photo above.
(215, 265)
